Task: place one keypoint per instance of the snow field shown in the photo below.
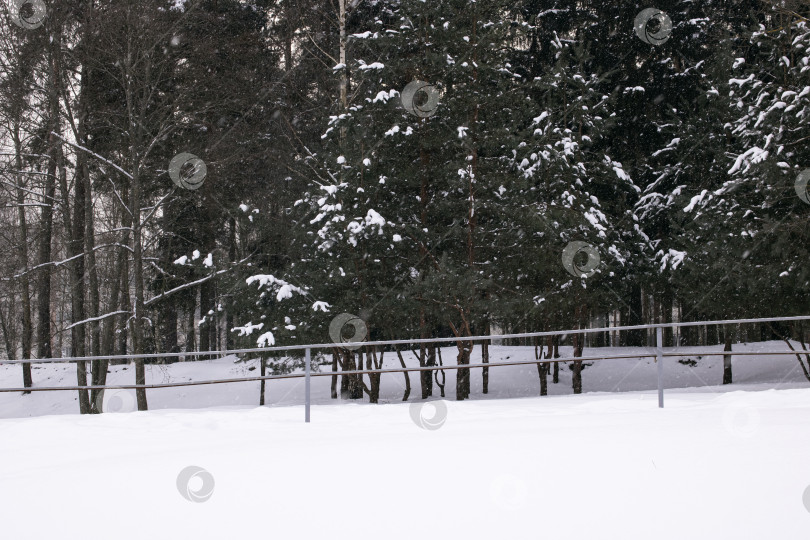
(709, 465)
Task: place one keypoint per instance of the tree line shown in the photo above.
(181, 175)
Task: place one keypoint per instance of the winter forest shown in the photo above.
(207, 175)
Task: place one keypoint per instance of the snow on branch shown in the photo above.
(82, 148)
(192, 283)
(285, 289)
(99, 318)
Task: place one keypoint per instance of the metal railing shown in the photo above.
(658, 354)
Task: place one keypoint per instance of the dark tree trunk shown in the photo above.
(98, 370)
(44, 257)
(727, 357)
(108, 333)
(356, 380)
(191, 323)
(229, 316)
(463, 358)
(440, 372)
(463, 374)
(206, 309)
(334, 377)
(485, 359)
(344, 379)
(22, 253)
(75, 249)
(351, 385)
(262, 371)
(555, 377)
(426, 377)
(576, 375)
(374, 378)
(542, 368)
(123, 333)
(46, 218)
(407, 393)
(786, 339)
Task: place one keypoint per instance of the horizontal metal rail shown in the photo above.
(325, 374)
(658, 354)
(259, 350)
(390, 370)
(732, 353)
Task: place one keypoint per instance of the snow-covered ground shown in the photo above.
(622, 375)
(717, 462)
(607, 466)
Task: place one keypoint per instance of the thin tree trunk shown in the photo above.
(555, 377)
(485, 359)
(46, 218)
(356, 383)
(344, 72)
(463, 374)
(126, 307)
(9, 333)
(428, 376)
(579, 345)
(407, 393)
(374, 378)
(135, 114)
(463, 358)
(438, 372)
(805, 370)
(99, 368)
(123, 277)
(728, 338)
(334, 377)
(542, 367)
(191, 323)
(75, 227)
(262, 370)
(22, 253)
(206, 306)
(232, 253)
(344, 379)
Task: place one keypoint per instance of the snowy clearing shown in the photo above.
(709, 465)
(614, 375)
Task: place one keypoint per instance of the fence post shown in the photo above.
(659, 359)
(306, 385)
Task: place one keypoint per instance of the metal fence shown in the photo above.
(658, 353)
